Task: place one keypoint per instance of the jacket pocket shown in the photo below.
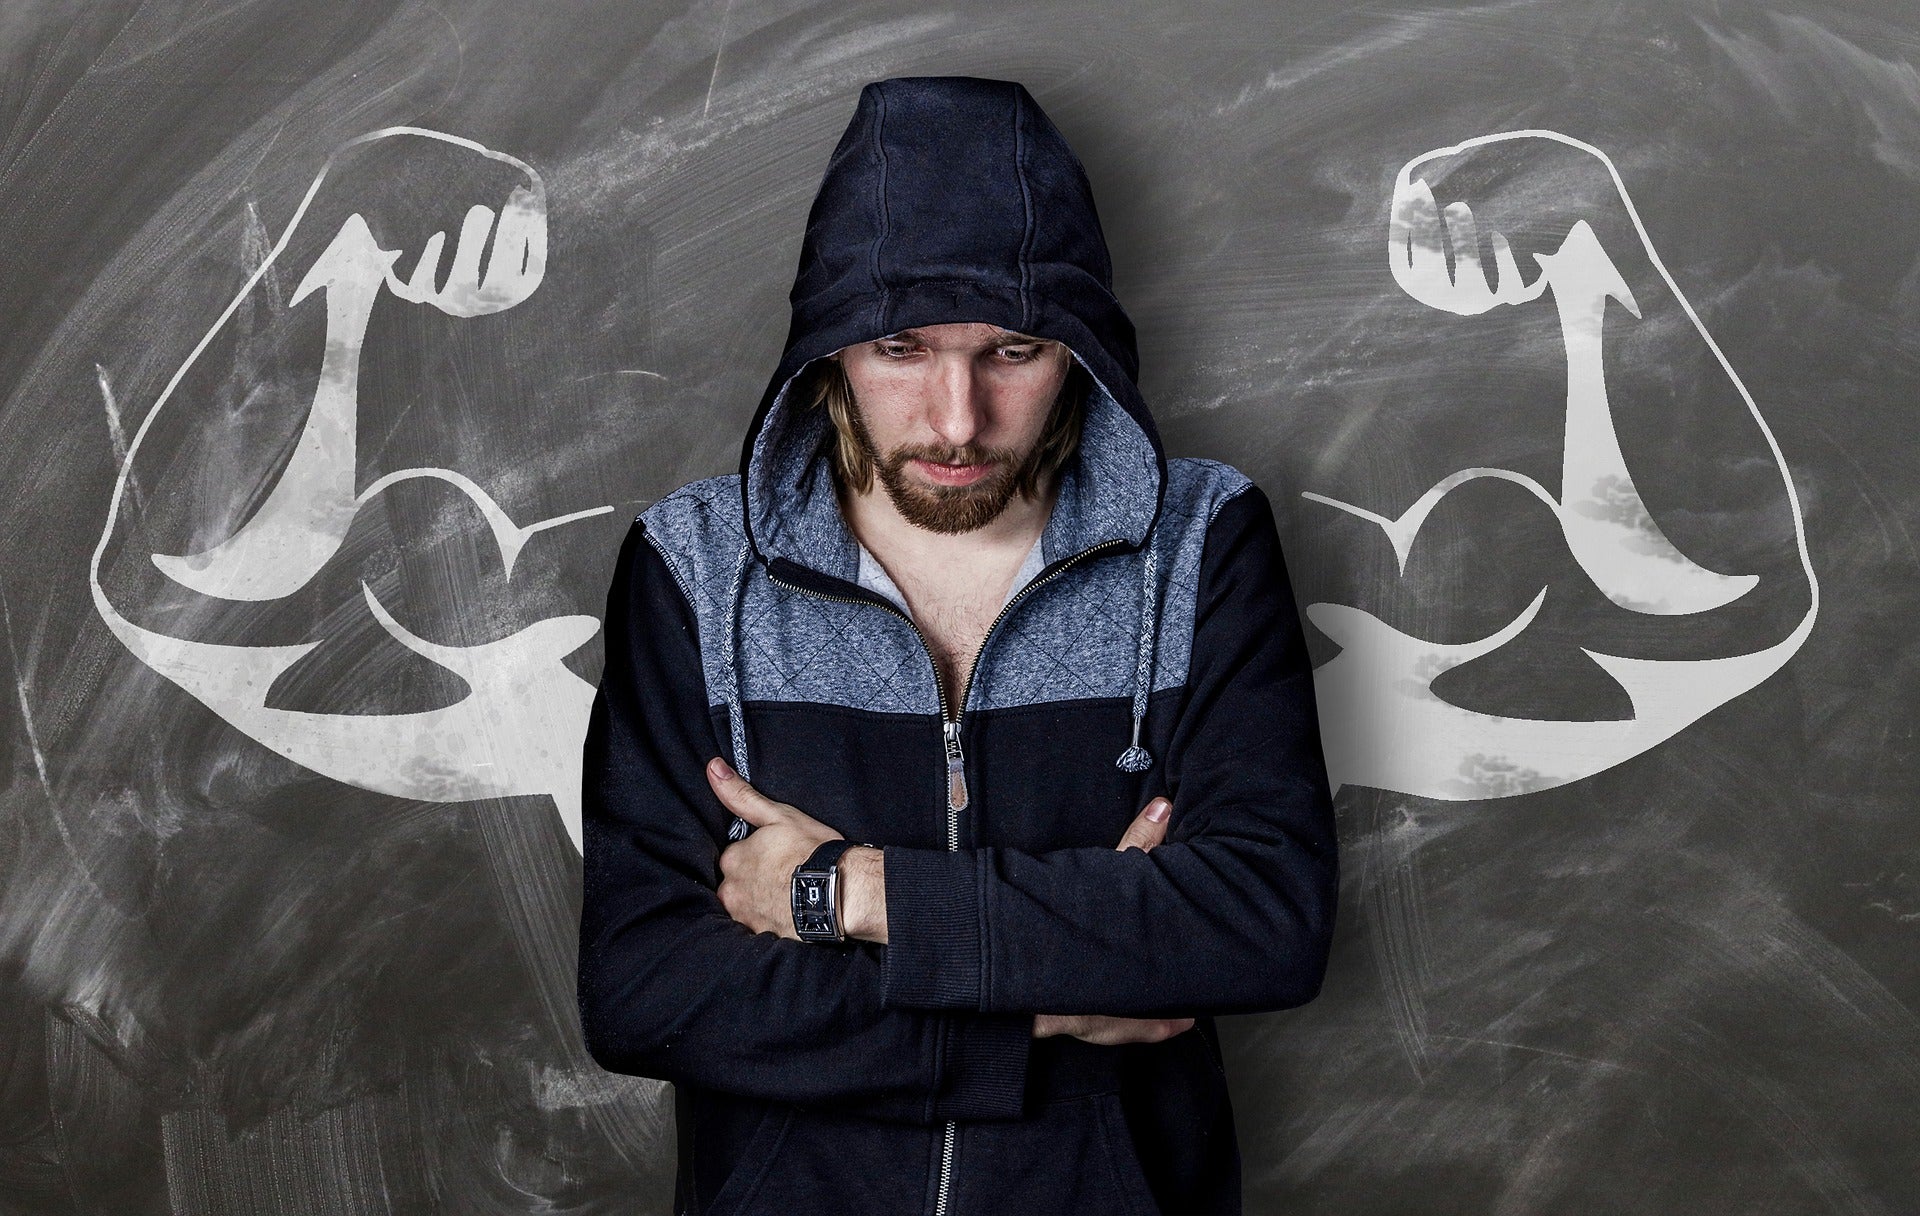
(1124, 1158)
(802, 1159)
(751, 1165)
(1070, 1157)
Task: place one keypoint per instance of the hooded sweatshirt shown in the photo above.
(1150, 646)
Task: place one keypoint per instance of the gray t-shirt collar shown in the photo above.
(873, 576)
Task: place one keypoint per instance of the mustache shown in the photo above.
(965, 454)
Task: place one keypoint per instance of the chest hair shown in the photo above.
(955, 617)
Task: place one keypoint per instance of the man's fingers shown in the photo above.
(1110, 1031)
(740, 798)
(1148, 828)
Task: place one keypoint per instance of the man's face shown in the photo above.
(952, 415)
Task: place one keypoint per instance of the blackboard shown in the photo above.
(1614, 685)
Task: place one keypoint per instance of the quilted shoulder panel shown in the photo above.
(1071, 638)
(1077, 637)
(792, 645)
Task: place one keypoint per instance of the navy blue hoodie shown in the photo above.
(1157, 651)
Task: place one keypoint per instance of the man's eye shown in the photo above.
(1020, 354)
(893, 350)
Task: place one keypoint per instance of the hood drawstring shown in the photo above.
(729, 660)
(1137, 759)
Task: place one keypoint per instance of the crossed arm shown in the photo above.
(1230, 912)
(756, 882)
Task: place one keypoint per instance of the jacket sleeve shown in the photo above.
(670, 986)
(1233, 913)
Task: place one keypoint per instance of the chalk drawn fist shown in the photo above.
(1435, 254)
(429, 185)
(514, 264)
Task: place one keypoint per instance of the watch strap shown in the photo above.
(828, 853)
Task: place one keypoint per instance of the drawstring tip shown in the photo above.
(1135, 759)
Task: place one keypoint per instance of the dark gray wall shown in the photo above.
(1684, 983)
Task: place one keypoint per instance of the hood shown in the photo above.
(952, 199)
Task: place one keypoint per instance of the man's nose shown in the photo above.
(957, 408)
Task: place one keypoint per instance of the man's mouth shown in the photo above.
(954, 475)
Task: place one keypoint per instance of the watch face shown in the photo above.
(813, 906)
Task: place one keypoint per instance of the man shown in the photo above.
(956, 630)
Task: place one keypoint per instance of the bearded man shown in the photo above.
(956, 761)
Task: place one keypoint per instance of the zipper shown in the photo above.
(957, 796)
(956, 777)
(946, 1169)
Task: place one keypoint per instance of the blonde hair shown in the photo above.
(829, 388)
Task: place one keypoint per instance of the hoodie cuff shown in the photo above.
(933, 929)
(986, 1067)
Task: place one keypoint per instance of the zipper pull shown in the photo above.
(956, 767)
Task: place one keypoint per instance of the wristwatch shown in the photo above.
(816, 893)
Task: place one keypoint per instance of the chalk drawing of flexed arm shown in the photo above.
(518, 729)
(1387, 728)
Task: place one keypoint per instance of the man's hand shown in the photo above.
(756, 874)
(1108, 1031)
(1148, 828)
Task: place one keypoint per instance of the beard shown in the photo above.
(948, 509)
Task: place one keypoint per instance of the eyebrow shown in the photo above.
(1005, 337)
